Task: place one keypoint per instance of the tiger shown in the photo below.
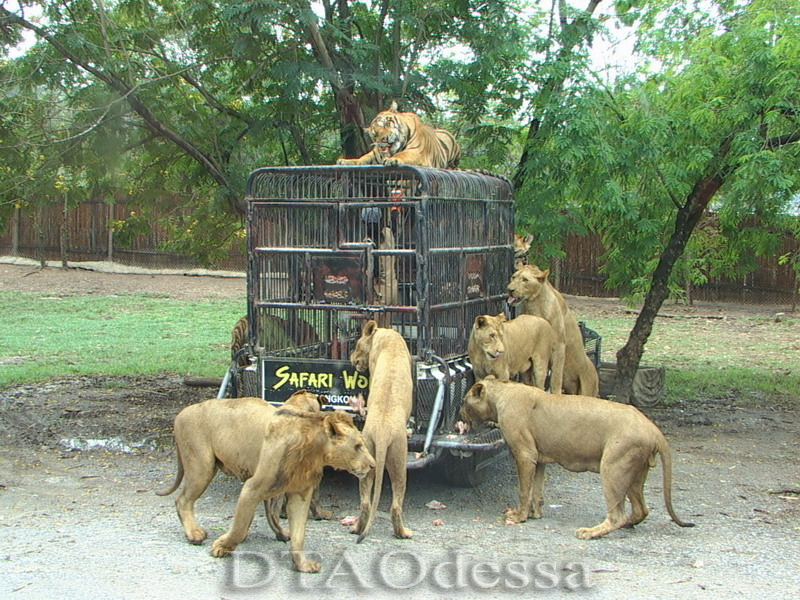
(295, 331)
(401, 138)
(522, 245)
(238, 340)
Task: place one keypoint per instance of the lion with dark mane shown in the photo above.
(292, 450)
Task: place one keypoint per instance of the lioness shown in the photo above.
(505, 348)
(296, 447)
(573, 371)
(580, 433)
(402, 138)
(384, 353)
(225, 433)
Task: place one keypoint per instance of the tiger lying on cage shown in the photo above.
(401, 138)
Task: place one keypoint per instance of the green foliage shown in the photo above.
(630, 154)
(152, 100)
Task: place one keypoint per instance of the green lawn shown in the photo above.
(49, 336)
(45, 336)
(754, 358)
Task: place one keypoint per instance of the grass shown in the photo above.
(744, 358)
(754, 359)
(51, 336)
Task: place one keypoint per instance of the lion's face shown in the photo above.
(347, 449)
(476, 409)
(360, 356)
(305, 401)
(388, 132)
(486, 333)
(526, 283)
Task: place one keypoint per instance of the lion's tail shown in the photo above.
(178, 477)
(377, 485)
(666, 468)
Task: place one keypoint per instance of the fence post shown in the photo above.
(64, 232)
(15, 226)
(557, 264)
(40, 234)
(110, 216)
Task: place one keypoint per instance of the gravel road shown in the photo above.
(86, 523)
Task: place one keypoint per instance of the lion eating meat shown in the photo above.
(227, 434)
(580, 433)
(506, 348)
(401, 138)
(296, 448)
(384, 353)
(573, 371)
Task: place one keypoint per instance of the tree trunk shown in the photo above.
(629, 356)
(351, 124)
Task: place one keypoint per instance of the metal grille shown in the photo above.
(592, 343)
(420, 250)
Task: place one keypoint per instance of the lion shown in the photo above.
(506, 348)
(226, 434)
(296, 448)
(572, 371)
(401, 138)
(580, 433)
(384, 353)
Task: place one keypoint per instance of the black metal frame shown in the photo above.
(321, 241)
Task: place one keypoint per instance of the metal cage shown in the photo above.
(423, 251)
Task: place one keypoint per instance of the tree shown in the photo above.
(646, 158)
(183, 99)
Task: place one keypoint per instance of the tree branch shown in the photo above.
(782, 140)
(127, 92)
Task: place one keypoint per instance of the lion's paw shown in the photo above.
(404, 533)
(391, 162)
(197, 535)
(344, 161)
(357, 528)
(587, 533)
(307, 566)
(321, 514)
(220, 550)
(515, 516)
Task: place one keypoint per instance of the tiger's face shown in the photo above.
(389, 134)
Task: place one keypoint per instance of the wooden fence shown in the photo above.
(84, 234)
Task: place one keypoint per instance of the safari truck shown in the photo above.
(423, 251)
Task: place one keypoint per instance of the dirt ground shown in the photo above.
(81, 457)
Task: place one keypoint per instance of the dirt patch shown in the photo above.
(105, 279)
(83, 281)
(122, 413)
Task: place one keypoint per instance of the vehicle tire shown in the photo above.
(462, 471)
